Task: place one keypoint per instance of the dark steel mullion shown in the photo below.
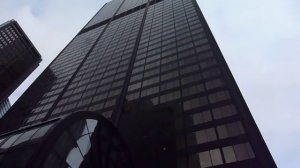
(122, 99)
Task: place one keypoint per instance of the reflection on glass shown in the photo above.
(1, 140)
(26, 136)
(75, 149)
(229, 154)
(216, 157)
(241, 152)
(10, 141)
(64, 144)
(74, 158)
(230, 130)
(209, 135)
(42, 131)
(224, 111)
(84, 144)
(205, 160)
(202, 117)
(79, 129)
(91, 124)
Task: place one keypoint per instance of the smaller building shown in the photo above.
(84, 139)
(4, 106)
(18, 58)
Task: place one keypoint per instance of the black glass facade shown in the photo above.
(155, 71)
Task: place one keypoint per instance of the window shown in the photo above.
(117, 83)
(229, 154)
(203, 47)
(40, 116)
(190, 79)
(110, 103)
(214, 84)
(151, 73)
(149, 91)
(211, 73)
(109, 79)
(96, 107)
(198, 36)
(168, 59)
(10, 141)
(200, 41)
(152, 58)
(224, 111)
(136, 77)
(202, 136)
(238, 152)
(120, 75)
(168, 67)
(150, 81)
(133, 96)
(194, 103)
(205, 55)
(152, 65)
(134, 86)
(169, 52)
(169, 75)
(193, 90)
(26, 136)
(210, 158)
(140, 62)
(189, 69)
(230, 130)
(208, 63)
(199, 118)
(42, 131)
(169, 96)
(188, 60)
(169, 85)
(114, 92)
(100, 97)
(138, 69)
(69, 106)
(219, 96)
(216, 157)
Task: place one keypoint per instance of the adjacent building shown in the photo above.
(155, 72)
(18, 58)
(4, 106)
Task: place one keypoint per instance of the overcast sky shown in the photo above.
(259, 39)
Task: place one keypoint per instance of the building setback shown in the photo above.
(154, 70)
(18, 58)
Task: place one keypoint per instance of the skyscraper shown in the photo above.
(18, 58)
(154, 70)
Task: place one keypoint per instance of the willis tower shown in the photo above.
(143, 84)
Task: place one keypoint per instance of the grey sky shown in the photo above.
(259, 39)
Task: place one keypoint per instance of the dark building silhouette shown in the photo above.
(18, 58)
(154, 70)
